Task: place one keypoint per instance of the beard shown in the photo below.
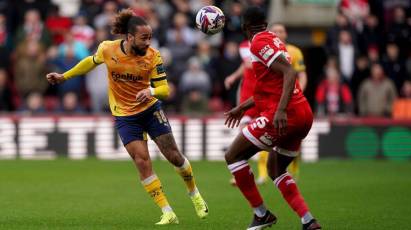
(139, 51)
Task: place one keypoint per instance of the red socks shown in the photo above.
(245, 181)
(289, 190)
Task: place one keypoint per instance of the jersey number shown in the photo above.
(161, 117)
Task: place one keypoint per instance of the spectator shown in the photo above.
(206, 58)
(371, 34)
(181, 31)
(70, 104)
(361, 72)
(195, 78)
(97, 79)
(180, 48)
(227, 64)
(346, 55)
(406, 90)
(402, 106)
(34, 104)
(232, 29)
(30, 69)
(376, 94)
(104, 19)
(195, 103)
(90, 8)
(33, 29)
(400, 31)
(57, 25)
(333, 34)
(69, 54)
(6, 94)
(373, 54)
(394, 66)
(332, 96)
(82, 32)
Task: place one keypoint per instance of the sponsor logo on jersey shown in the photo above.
(125, 77)
(266, 52)
(160, 69)
(115, 59)
(267, 139)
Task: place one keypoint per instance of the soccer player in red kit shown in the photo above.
(248, 81)
(285, 119)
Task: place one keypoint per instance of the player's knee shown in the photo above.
(143, 163)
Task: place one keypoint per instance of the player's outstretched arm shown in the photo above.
(281, 65)
(83, 67)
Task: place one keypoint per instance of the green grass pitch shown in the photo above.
(93, 194)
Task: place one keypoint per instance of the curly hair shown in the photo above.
(126, 22)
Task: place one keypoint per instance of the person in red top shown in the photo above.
(332, 96)
(285, 119)
(245, 70)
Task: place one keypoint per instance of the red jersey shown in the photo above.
(265, 48)
(249, 80)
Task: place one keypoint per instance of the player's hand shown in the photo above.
(229, 81)
(143, 96)
(280, 122)
(55, 78)
(233, 117)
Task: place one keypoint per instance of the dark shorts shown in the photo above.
(135, 127)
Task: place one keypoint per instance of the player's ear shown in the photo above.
(129, 37)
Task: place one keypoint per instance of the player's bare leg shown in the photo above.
(138, 151)
(168, 148)
(277, 170)
(236, 157)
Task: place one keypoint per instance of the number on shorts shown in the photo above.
(160, 116)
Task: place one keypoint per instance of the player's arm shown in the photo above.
(281, 65)
(83, 67)
(229, 81)
(233, 117)
(160, 89)
(302, 79)
(299, 67)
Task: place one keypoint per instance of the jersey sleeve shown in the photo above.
(298, 61)
(158, 73)
(266, 49)
(98, 57)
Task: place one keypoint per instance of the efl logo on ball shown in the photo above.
(210, 20)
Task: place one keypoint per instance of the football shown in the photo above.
(210, 20)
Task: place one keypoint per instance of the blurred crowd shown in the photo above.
(367, 73)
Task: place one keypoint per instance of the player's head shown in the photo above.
(136, 29)
(253, 21)
(280, 31)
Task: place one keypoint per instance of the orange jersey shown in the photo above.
(297, 59)
(128, 75)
